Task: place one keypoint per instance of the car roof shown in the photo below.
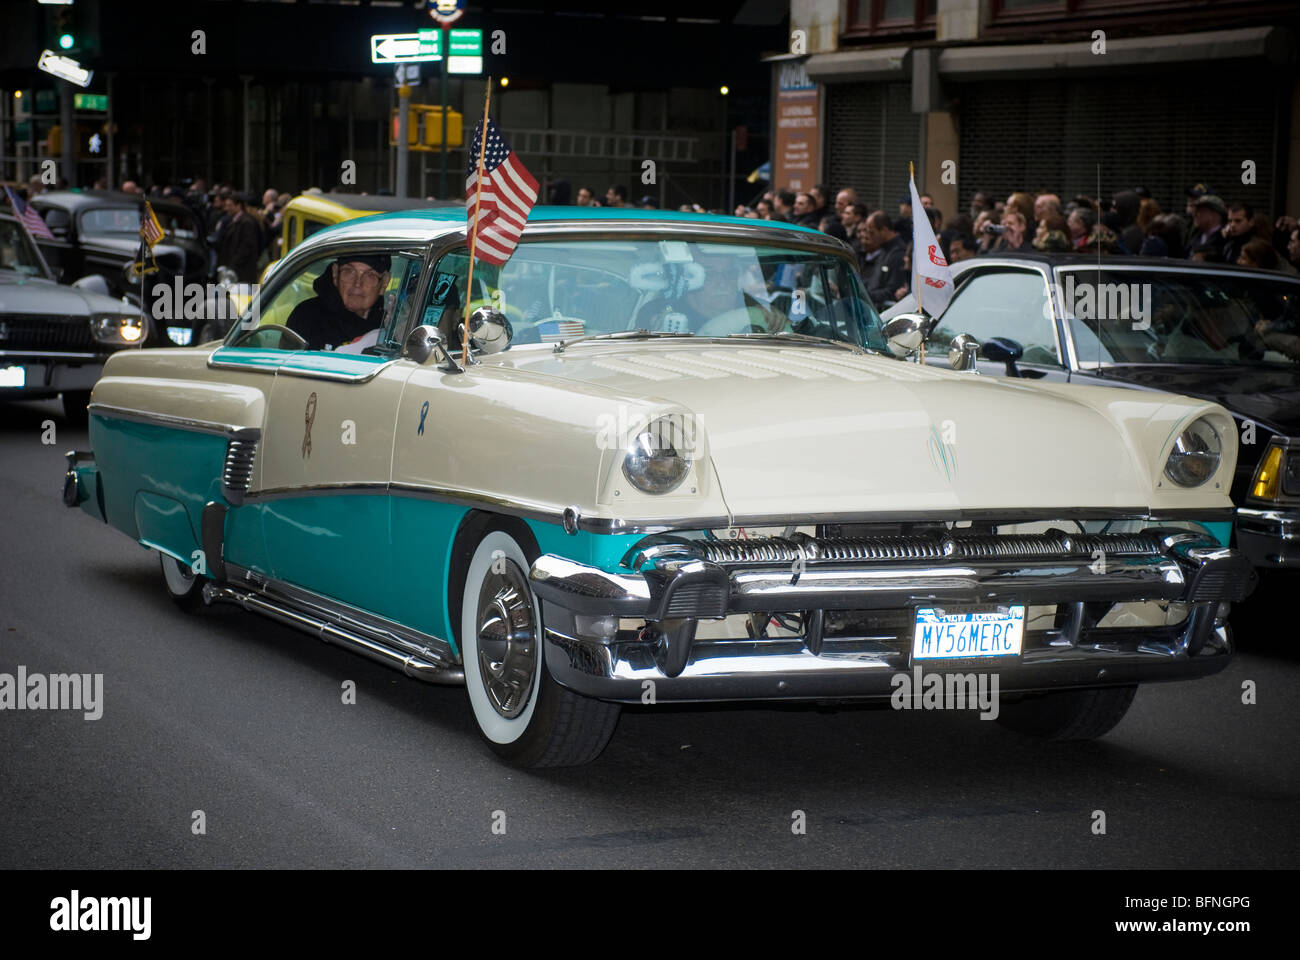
(542, 214)
(1112, 261)
(414, 224)
(74, 200)
(370, 202)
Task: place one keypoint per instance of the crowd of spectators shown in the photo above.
(244, 230)
(1130, 222)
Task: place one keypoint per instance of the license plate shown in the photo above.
(13, 376)
(962, 636)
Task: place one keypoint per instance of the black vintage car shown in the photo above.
(97, 238)
(1215, 331)
(54, 339)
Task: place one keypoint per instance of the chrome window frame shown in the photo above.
(1119, 266)
(983, 265)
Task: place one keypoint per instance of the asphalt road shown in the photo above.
(243, 719)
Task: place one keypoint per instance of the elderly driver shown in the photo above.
(716, 295)
(348, 304)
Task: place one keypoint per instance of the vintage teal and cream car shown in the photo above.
(677, 466)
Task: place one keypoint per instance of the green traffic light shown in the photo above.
(66, 41)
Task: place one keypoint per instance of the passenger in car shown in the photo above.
(347, 305)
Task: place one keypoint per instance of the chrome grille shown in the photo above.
(36, 332)
(948, 547)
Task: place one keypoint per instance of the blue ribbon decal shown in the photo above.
(424, 412)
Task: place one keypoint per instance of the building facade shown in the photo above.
(1067, 96)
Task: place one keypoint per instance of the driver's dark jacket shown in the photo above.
(325, 323)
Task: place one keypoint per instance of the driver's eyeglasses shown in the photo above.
(350, 274)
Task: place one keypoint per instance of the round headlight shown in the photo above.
(131, 329)
(1195, 456)
(117, 328)
(658, 458)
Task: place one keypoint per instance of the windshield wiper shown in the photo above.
(801, 337)
(621, 335)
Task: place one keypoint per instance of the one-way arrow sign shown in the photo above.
(405, 47)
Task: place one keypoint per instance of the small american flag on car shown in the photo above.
(508, 194)
(28, 215)
(557, 329)
(150, 229)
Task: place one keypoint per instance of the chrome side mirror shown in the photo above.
(422, 343)
(961, 353)
(905, 333)
(489, 330)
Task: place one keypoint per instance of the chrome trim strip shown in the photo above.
(321, 490)
(54, 353)
(230, 430)
(555, 513)
(294, 372)
(1282, 518)
(369, 632)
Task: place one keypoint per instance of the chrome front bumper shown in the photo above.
(1269, 537)
(680, 584)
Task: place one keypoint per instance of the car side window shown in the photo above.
(57, 220)
(1003, 303)
(346, 302)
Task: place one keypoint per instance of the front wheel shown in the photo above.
(525, 716)
(1068, 714)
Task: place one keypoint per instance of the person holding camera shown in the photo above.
(1012, 232)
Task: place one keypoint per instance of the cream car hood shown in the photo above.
(793, 431)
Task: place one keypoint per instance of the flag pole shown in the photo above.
(916, 287)
(473, 233)
(911, 174)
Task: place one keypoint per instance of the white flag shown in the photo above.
(931, 275)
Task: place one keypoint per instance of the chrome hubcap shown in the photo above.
(507, 639)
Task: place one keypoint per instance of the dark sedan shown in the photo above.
(1223, 333)
(97, 235)
(54, 339)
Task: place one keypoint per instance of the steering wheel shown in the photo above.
(285, 333)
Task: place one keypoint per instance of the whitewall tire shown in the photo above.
(522, 713)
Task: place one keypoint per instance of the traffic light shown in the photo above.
(65, 32)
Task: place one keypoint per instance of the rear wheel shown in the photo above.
(522, 713)
(184, 586)
(1068, 714)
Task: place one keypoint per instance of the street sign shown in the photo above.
(90, 101)
(65, 68)
(446, 11)
(405, 47)
(407, 73)
(465, 51)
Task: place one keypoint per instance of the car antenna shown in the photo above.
(1098, 284)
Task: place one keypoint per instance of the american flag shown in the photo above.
(508, 194)
(28, 215)
(150, 229)
(557, 329)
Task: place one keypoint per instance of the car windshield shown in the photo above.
(561, 290)
(1158, 316)
(127, 220)
(16, 250)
